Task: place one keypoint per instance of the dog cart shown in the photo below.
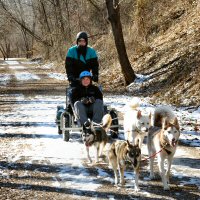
(66, 122)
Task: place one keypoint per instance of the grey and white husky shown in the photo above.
(162, 140)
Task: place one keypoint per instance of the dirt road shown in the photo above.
(35, 163)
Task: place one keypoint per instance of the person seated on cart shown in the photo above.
(81, 57)
(87, 99)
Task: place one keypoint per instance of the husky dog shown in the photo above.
(136, 124)
(95, 136)
(163, 136)
(120, 152)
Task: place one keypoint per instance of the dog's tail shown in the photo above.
(107, 121)
(134, 103)
(164, 112)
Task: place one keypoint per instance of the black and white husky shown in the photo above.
(96, 136)
(162, 140)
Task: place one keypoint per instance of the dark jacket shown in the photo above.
(81, 91)
(76, 63)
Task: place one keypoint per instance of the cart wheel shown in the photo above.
(115, 130)
(65, 133)
(66, 136)
(59, 130)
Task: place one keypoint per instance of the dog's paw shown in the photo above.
(166, 187)
(122, 183)
(137, 189)
(116, 181)
(102, 156)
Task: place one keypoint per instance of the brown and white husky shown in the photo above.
(120, 152)
(163, 136)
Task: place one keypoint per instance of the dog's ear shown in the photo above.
(150, 116)
(128, 142)
(128, 147)
(150, 119)
(139, 114)
(87, 124)
(137, 143)
(165, 124)
(176, 124)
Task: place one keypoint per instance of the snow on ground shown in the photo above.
(17, 67)
(5, 79)
(24, 76)
(58, 76)
(47, 66)
(35, 116)
(11, 62)
(39, 113)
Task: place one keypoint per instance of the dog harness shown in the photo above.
(97, 138)
(163, 147)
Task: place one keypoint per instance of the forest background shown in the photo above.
(162, 40)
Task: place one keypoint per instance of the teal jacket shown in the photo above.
(75, 63)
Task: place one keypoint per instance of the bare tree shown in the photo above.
(22, 24)
(113, 9)
(5, 47)
(68, 18)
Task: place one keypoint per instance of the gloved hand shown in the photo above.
(84, 100)
(71, 78)
(95, 78)
(91, 99)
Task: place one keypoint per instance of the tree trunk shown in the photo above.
(68, 18)
(114, 18)
(3, 52)
(46, 21)
(59, 14)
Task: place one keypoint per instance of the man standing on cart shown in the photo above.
(79, 58)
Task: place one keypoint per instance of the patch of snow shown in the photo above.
(40, 111)
(58, 76)
(11, 62)
(47, 66)
(17, 67)
(25, 76)
(5, 79)
(141, 78)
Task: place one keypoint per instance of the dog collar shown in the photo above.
(168, 152)
(89, 145)
(163, 147)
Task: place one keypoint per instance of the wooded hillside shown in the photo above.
(162, 40)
